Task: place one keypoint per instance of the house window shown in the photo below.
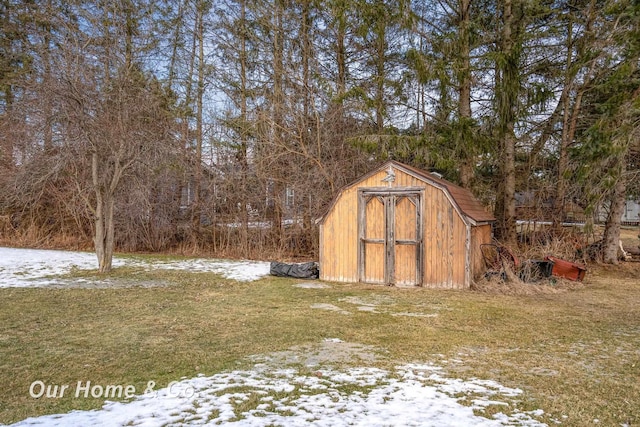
(289, 197)
(187, 196)
(269, 199)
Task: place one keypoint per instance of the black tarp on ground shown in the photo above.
(305, 270)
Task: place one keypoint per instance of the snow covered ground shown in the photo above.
(409, 395)
(37, 267)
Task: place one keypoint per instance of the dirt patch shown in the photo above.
(311, 285)
(371, 301)
(545, 372)
(407, 314)
(381, 304)
(330, 307)
(331, 351)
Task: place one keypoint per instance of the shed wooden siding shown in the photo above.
(445, 235)
(479, 235)
(339, 241)
(444, 242)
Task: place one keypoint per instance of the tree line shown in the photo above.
(229, 125)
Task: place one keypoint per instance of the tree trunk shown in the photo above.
(99, 230)
(509, 235)
(341, 78)
(341, 54)
(106, 263)
(7, 139)
(571, 113)
(464, 96)
(47, 139)
(103, 221)
(175, 42)
(569, 127)
(507, 94)
(381, 46)
(278, 124)
(307, 124)
(611, 237)
(244, 137)
(105, 233)
(196, 212)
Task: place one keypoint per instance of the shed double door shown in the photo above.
(390, 233)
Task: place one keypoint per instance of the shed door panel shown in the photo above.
(374, 214)
(374, 240)
(391, 241)
(407, 240)
(405, 265)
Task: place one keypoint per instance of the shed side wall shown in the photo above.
(480, 234)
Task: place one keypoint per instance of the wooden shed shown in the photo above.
(399, 225)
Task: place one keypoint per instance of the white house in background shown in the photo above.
(630, 215)
(631, 211)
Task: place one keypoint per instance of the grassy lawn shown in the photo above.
(576, 354)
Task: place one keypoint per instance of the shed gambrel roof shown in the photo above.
(462, 197)
(464, 200)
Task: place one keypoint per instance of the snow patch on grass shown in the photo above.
(409, 395)
(38, 267)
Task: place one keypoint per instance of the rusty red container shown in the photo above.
(567, 269)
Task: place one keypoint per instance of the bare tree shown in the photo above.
(115, 114)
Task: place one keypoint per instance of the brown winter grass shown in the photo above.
(575, 352)
(630, 237)
(43, 237)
